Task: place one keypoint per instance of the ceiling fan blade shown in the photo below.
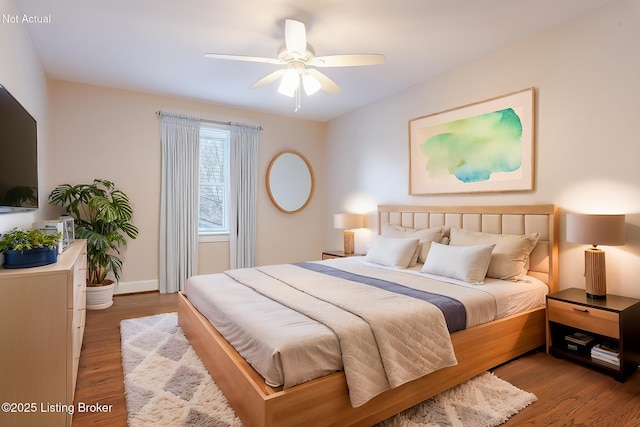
(347, 60)
(244, 58)
(271, 77)
(295, 37)
(326, 83)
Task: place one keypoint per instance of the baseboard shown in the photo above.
(135, 287)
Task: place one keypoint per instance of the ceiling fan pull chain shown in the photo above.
(297, 99)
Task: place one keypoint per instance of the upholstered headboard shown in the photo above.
(543, 219)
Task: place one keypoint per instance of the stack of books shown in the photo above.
(606, 354)
(579, 342)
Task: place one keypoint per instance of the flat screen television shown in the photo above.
(18, 156)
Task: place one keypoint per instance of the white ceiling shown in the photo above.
(157, 46)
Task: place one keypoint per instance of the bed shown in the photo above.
(326, 400)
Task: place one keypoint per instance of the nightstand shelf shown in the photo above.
(614, 320)
(337, 254)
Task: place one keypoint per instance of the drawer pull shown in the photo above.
(581, 310)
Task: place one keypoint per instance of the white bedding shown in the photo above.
(288, 348)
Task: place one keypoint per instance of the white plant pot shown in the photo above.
(100, 297)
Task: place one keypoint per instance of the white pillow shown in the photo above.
(510, 256)
(392, 252)
(468, 263)
(426, 236)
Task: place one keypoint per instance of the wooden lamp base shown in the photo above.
(348, 242)
(595, 273)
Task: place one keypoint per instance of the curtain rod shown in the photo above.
(217, 122)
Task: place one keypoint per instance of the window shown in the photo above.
(213, 216)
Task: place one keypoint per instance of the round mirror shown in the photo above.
(290, 181)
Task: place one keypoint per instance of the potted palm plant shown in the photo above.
(102, 215)
(29, 248)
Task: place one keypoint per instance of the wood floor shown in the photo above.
(568, 394)
(100, 377)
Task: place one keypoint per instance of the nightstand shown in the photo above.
(614, 320)
(337, 254)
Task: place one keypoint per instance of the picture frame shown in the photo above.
(487, 146)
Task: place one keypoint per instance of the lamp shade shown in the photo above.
(310, 84)
(347, 220)
(595, 230)
(289, 83)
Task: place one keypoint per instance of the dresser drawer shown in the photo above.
(588, 318)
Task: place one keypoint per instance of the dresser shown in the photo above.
(42, 315)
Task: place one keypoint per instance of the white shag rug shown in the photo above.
(166, 384)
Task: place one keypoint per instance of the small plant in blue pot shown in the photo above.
(29, 248)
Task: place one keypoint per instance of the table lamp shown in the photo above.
(595, 230)
(348, 221)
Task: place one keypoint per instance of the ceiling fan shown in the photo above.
(301, 62)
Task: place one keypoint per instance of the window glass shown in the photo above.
(214, 181)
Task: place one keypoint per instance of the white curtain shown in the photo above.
(243, 186)
(179, 201)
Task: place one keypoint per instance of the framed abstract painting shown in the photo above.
(486, 146)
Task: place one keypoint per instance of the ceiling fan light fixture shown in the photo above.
(296, 54)
(310, 84)
(289, 83)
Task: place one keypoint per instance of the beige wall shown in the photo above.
(586, 73)
(22, 74)
(115, 134)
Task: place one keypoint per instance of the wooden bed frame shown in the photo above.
(325, 401)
